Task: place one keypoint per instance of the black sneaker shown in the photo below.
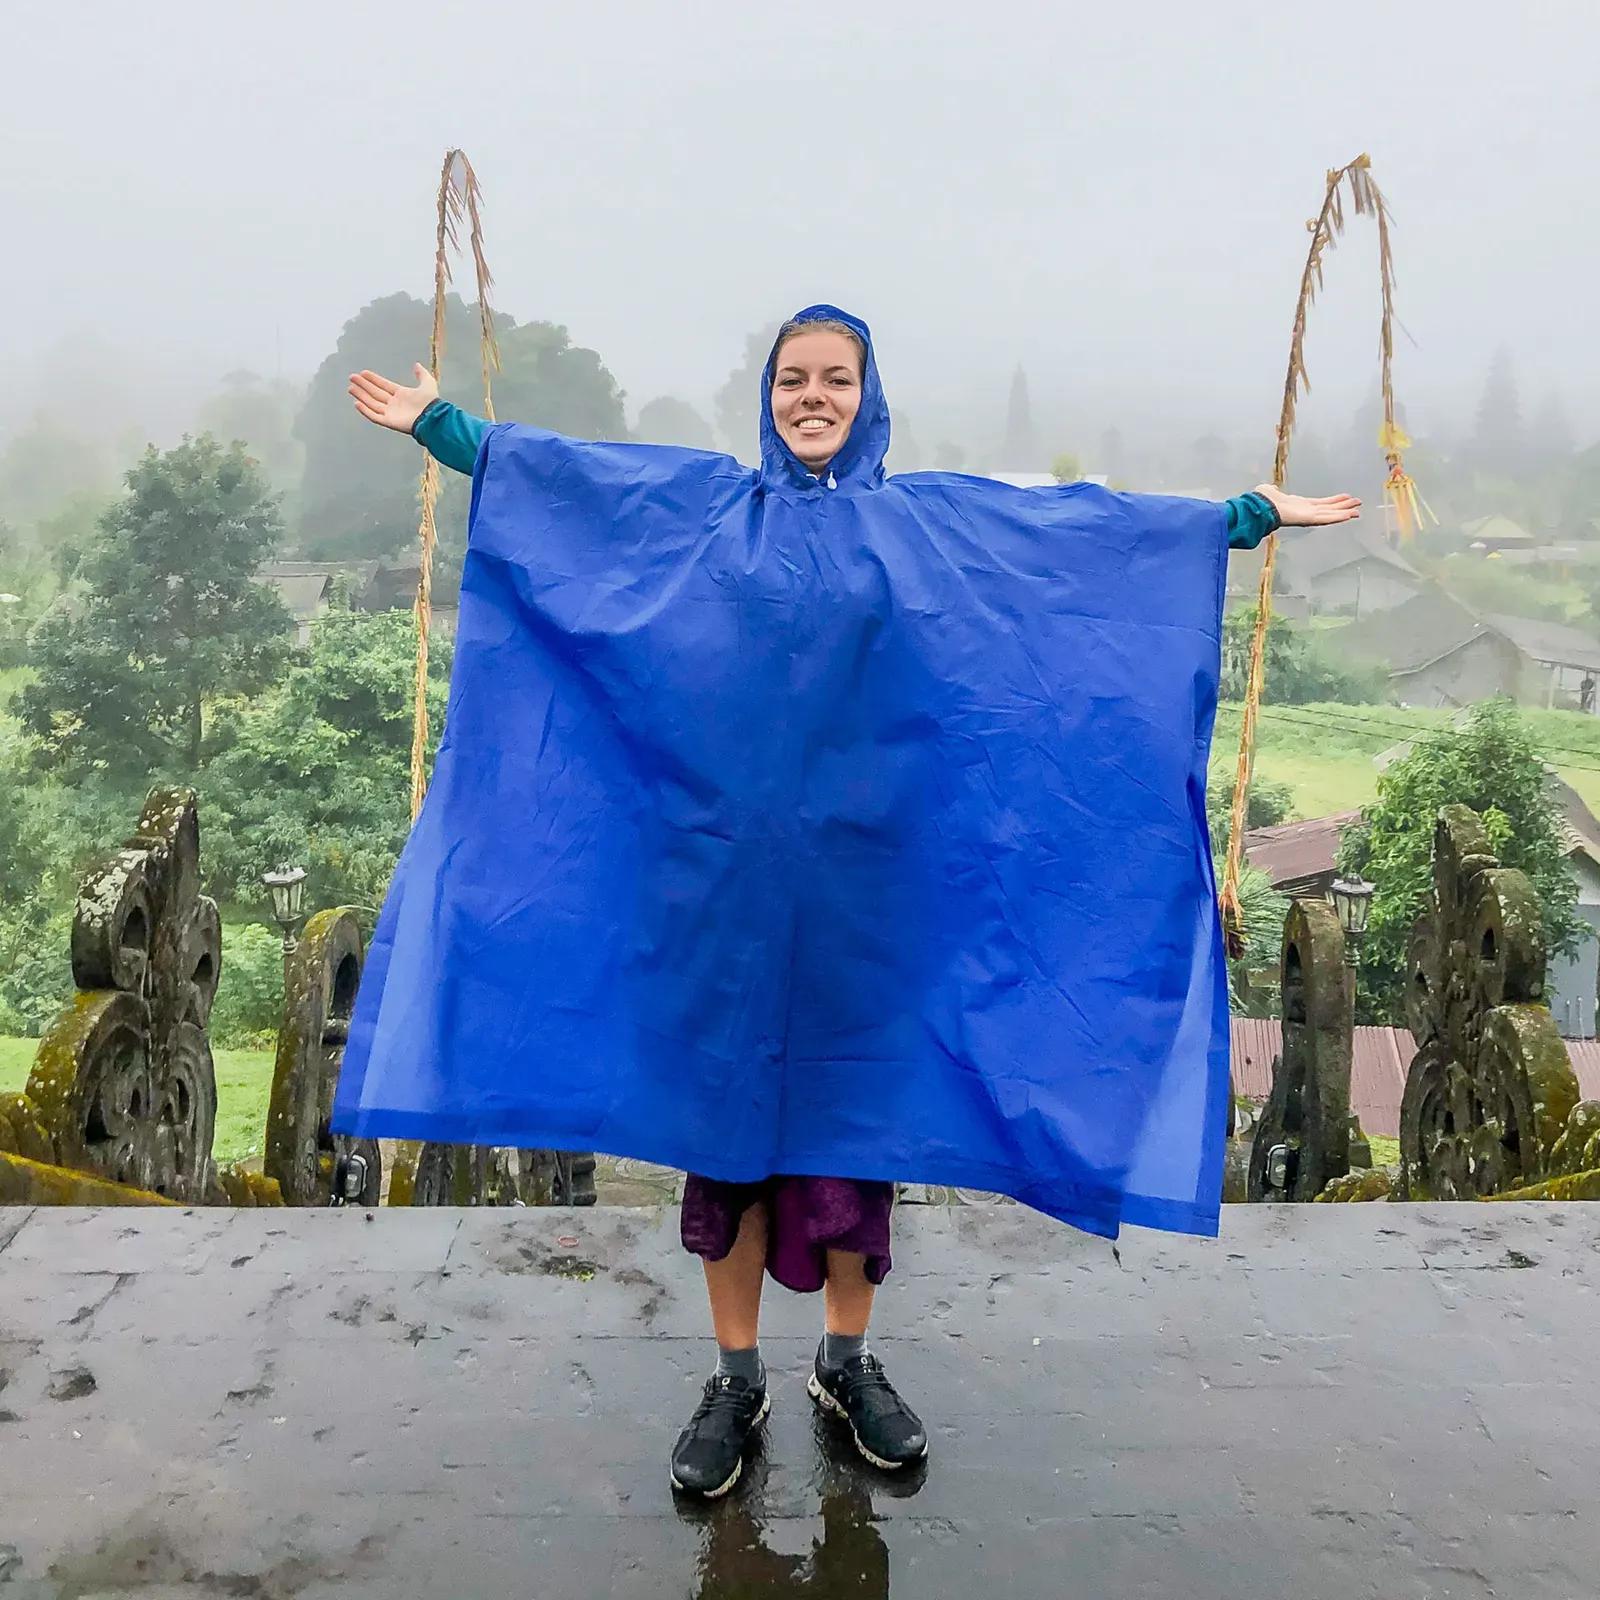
(886, 1430)
(709, 1454)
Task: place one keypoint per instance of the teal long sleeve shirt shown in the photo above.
(452, 437)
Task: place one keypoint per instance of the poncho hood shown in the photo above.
(860, 462)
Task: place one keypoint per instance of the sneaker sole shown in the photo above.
(727, 1486)
(827, 1403)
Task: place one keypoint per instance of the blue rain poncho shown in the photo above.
(851, 827)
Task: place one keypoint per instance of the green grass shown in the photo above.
(1324, 752)
(244, 1080)
(16, 1059)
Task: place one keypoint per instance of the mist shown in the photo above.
(1113, 198)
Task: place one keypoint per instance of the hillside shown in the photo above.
(1324, 752)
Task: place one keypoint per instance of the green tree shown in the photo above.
(22, 853)
(1493, 766)
(169, 617)
(249, 1000)
(669, 420)
(1065, 468)
(35, 971)
(1262, 912)
(358, 495)
(67, 532)
(23, 577)
(317, 770)
(1269, 803)
(1298, 672)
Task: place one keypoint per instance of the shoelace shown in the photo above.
(866, 1376)
(724, 1397)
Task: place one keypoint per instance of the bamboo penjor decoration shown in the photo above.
(459, 199)
(1399, 491)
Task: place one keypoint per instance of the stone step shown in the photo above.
(1383, 1400)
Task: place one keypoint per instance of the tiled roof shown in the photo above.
(1550, 642)
(1311, 555)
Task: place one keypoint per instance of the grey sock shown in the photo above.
(838, 1348)
(746, 1364)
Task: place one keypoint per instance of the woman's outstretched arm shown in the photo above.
(1251, 517)
(449, 434)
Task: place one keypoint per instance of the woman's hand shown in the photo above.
(385, 402)
(1299, 511)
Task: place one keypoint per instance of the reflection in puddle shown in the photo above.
(848, 1562)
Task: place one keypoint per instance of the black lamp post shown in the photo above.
(1352, 900)
(287, 886)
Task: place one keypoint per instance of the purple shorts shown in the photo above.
(806, 1218)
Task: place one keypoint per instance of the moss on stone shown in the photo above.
(33, 1183)
(1573, 1186)
(19, 1119)
(1572, 1151)
(1376, 1183)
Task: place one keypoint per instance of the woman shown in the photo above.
(824, 428)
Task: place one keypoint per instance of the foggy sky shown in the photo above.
(1114, 195)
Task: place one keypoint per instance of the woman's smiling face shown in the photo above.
(816, 392)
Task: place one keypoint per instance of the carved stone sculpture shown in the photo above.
(123, 1085)
(1491, 1088)
(319, 995)
(1303, 1139)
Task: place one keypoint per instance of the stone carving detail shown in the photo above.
(1307, 1116)
(1578, 1148)
(1491, 1088)
(123, 1086)
(319, 996)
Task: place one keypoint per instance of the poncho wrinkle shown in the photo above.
(849, 828)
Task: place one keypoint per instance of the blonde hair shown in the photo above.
(824, 325)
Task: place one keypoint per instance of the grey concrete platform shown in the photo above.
(1342, 1401)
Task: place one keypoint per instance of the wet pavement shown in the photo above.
(1330, 1401)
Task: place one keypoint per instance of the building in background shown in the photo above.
(1440, 652)
(1494, 535)
(310, 589)
(1347, 570)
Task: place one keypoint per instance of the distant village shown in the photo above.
(1369, 605)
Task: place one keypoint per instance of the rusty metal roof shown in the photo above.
(1297, 852)
(1380, 1058)
(1585, 1054)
